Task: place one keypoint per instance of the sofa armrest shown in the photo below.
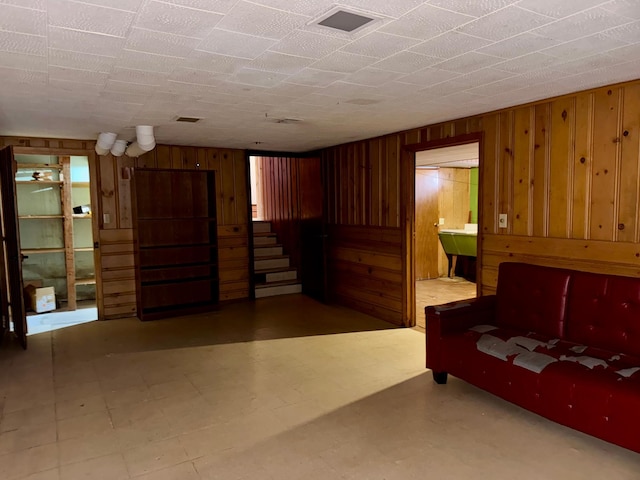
(452, 318)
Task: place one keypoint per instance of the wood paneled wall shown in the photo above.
(564, 170)
(231, 205)
(365, 270)
(113, 209)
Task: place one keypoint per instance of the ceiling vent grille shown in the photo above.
(345, 21)
(287, 121)
(187, 119)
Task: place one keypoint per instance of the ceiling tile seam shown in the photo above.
(579, 12)
(83, 53)
(13, 32)
(186, 7)
(273, 8)
(83, 31)
(153, 54)
(102, 6)
(166, 33)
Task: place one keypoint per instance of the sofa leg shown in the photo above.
(440, 377)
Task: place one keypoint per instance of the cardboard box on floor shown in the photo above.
(41, 299)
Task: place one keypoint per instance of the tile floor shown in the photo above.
(438, 291)
(283, 388)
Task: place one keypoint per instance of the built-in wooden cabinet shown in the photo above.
(175, 231)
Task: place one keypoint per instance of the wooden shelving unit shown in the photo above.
(176, 254)
(53, 209)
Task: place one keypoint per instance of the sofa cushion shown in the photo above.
(604, 312)
(532, 298)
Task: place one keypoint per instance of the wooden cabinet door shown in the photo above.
(12, 299)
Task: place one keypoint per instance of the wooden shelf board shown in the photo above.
(39, 217)
(31, 251)
(83, 249)
(39, 166)
(81, 215)
(38, 182)
(80, 184)
(85, 281)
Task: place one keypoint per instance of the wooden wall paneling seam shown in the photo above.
(583, 166)
(541, 171)
(604, 162)
(489, 199)
(561, 138)
(626, 217)
(523, 153)
(618, 163)
(505, 168)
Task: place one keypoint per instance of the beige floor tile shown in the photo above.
(155, 456)
(88, 447)
(28, 417)
(109, 467)
(142, 432)
(259, 390)
(53, 474)
(27, 437)
(78, 390)
(173, 388)
(130, 395)
(84, 426)
(27, 462)
(80, 406)
(182, 471)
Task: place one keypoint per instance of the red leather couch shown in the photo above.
(561, 343)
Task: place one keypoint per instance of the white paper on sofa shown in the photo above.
(526, 342)
(627, 372)
(589, 362)
(498, 348)
(534, 361)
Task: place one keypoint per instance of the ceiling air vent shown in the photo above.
(287, 121)
(345, 21)
(187, 119)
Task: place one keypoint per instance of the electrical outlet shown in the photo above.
(441, 221)
(502, 220)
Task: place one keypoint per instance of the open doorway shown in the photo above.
(288, 225)
(446, 225)
(56, 239)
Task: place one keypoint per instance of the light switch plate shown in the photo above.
(106, 218)
(441, 221)
(502, 220)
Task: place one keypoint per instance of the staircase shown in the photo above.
(272, 273)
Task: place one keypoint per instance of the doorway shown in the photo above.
(446, 225)
(56, 240)
(287, 209)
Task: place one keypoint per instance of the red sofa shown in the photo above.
(561, 343)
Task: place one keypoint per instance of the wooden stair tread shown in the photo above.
(275, 270)
(269, 245)
(264, 234)
(278, 284)
(272, 257)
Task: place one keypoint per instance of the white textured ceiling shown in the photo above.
(76, 68)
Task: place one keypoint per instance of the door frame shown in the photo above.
(95, 205)
(408, 215)
(288, 155)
